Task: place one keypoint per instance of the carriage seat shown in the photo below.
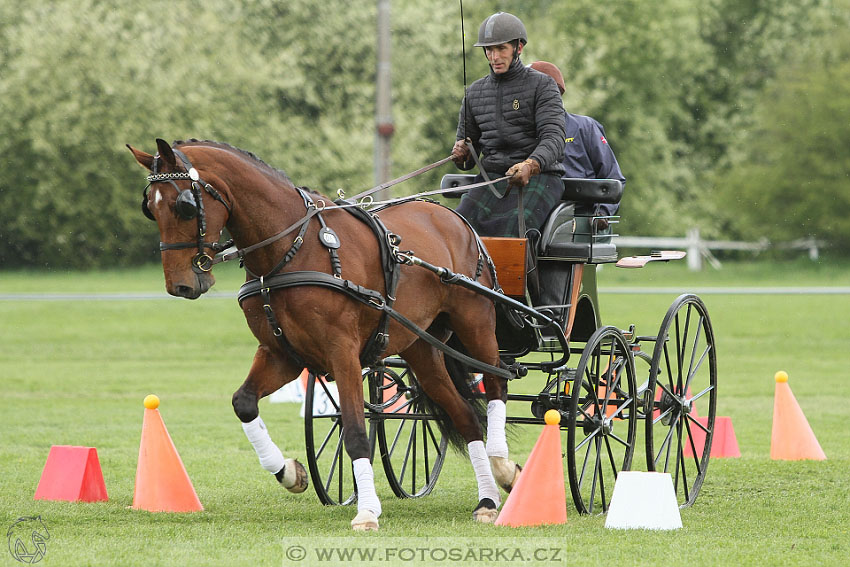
(566, 235)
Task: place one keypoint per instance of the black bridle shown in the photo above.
(189, 205)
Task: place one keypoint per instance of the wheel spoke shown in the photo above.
(411, 450)
(691, 369)
(698, 424)
(597, 468)
(610, 455)
(661, 416)
(671, 386)
(324, 386)
(330, 475)
(668, 443)
(327, 438)
(696, 457)
(587, 439)
(398, 432)
(702, 393)
(410, 445)
(618, 439)
(586, 456)
(680, 461)
(425, 453)
(696, 369)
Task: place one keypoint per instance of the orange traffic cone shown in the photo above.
(723, 444)
(539, 496)
(792, 438)
(162, 484)
(72, 474)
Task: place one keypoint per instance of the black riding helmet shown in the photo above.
(500, 28)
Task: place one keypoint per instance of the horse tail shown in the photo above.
(460, 374)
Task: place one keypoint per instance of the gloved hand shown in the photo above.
(460, 153)
(521, 172)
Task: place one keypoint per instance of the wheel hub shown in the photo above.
(603, 425)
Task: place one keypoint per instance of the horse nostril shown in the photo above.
(185, 291)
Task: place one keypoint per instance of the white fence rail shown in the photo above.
(699, 250)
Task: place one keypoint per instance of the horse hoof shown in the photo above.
(486, 512)
(505, 471)
(365, 520)
(293, 476)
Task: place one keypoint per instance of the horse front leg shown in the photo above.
(350, 383)
(269, 372)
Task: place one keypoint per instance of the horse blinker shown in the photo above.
(186, 205)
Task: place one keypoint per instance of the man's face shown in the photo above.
(500, 56)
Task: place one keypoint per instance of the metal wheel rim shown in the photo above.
(683, 377)
(595, 455)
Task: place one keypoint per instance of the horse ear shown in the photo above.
(166, 153)
(145, 160)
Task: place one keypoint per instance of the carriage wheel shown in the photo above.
(330, 466)
(602, 420)
(412, 448)
(683, 387)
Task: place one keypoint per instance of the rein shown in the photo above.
(321, 206)
(405, 177)
(202, 262)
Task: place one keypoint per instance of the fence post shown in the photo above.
(694, 250)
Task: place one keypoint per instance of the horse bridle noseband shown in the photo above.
(189, 205)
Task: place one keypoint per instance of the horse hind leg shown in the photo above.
(479, 341)
(505, 471)
(268, 373)
(437, 383)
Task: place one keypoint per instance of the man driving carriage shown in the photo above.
(513, 118)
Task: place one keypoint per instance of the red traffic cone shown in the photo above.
(723, 444)
(162, 484)
(539, 496)
(792, 438)
(72, 474)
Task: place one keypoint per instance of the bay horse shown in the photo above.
(328, 314)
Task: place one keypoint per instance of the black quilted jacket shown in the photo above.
(514, 116)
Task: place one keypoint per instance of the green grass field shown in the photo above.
(74, 372)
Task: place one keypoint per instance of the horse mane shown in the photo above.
(250, 155)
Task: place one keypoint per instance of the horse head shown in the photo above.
(189, 225)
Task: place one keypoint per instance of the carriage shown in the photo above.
(609, 385)
(389, 331)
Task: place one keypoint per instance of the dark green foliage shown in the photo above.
(675, 82)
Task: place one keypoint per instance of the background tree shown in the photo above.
(675, 82)
(793, 178)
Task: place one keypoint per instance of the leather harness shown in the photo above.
(391, 258)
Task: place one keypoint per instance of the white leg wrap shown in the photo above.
(481, 465)
(497, 443)
(367, 498)
(270, 456)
